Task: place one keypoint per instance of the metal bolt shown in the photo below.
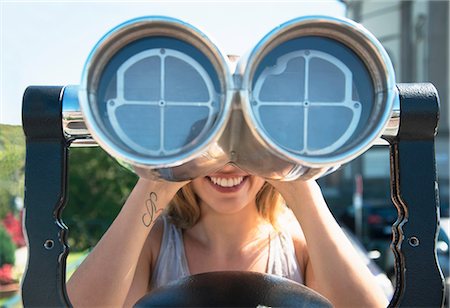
(48, 244)
(413, 241)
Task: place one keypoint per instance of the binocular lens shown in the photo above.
(312, 96)
(158, 97)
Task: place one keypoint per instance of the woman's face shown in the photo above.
(228, 190)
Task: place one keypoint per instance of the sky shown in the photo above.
(48, 42)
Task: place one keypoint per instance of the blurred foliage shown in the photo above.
(12, 166)
(7, 247)
(98, 187)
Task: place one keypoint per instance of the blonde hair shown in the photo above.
(184, 209)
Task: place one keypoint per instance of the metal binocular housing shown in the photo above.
(159, 96)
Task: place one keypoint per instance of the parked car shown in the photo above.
(443, 249)
(377, 219)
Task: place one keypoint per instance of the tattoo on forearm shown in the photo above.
(150, 206)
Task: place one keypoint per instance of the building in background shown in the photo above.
(416, 36)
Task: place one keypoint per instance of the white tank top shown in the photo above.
(172, 263)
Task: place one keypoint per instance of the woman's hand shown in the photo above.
(299, 193)
(155, 195)
(168, 187)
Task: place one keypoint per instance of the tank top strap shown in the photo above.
(282, 258)
(172, 248)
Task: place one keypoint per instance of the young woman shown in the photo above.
(229, 220)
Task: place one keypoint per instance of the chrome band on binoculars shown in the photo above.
(157, 94)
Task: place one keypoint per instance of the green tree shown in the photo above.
(7, 247)
(98, 187)
(12, 161)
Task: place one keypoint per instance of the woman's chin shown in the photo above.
(228, 205)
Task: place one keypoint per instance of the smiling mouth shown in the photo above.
(226, 182)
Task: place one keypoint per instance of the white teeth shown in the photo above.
(227, 182)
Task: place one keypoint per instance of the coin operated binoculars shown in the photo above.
(159, 96)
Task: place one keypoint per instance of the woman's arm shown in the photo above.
(333, 267)
(106, 275)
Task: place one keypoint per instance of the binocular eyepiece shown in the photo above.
(159, 96)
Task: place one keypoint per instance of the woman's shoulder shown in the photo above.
(290, 226)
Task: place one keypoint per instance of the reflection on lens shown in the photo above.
(311, 96)
(158, 101)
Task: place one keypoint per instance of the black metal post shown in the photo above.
(45, 196)
(419, 281)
